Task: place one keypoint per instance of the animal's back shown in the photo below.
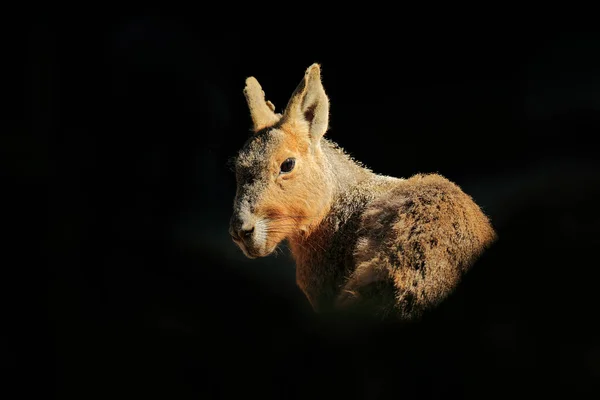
(415, 242)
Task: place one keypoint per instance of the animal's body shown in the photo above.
(393, 246)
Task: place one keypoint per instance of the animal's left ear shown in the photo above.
(262, 111)
(309, 104)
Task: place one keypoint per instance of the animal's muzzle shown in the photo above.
(241, 229)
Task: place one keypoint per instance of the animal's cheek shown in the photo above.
(271, 198)
(286, 183)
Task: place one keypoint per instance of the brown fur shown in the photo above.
(399, 246)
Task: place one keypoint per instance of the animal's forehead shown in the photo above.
(259, 148)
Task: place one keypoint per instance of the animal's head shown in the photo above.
(282, 185)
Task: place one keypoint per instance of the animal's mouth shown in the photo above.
(248, 252)
(252, 252)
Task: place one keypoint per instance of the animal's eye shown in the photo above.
(288, 165)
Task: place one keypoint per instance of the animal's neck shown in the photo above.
(344, 172)
(344, 177)
(319, 265)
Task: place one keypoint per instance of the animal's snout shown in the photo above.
(246, 232)
(240, 229)
(243, 233)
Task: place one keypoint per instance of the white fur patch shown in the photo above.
(260, 233)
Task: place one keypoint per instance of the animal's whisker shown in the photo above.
(283, 216)
(282, 226)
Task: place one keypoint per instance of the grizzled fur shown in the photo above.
(359, 239)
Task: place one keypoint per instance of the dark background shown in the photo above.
(117, 145)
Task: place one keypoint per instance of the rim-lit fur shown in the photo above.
(398, 246)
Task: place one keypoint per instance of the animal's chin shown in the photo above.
(252, 252)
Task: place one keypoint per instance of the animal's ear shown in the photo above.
(262, 111)
(310, 104)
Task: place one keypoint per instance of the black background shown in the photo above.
(117, 145)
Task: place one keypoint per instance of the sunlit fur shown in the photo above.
(393, 246)
(285, 204)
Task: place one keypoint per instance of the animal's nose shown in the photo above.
(243, 233)
(246, 232)
(240, 230)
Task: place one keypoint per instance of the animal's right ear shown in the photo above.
(262, 111)
(309, 104)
